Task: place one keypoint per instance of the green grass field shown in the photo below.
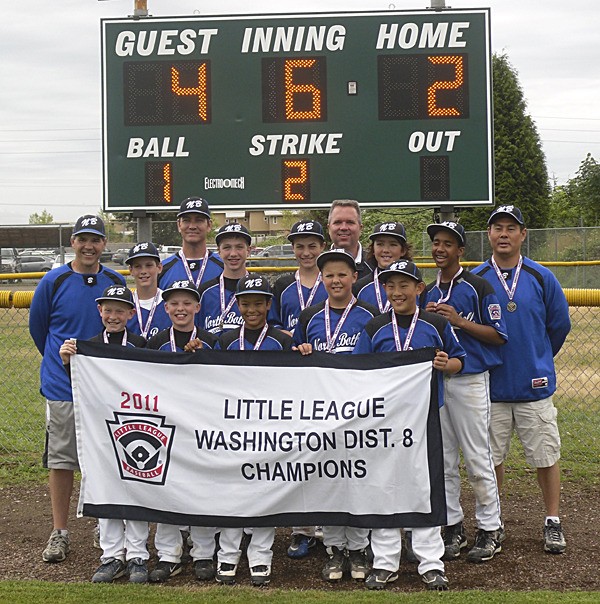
(35, 591)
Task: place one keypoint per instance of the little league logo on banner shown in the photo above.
(142, 446)
(259, 438)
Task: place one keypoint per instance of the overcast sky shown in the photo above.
(50, 88)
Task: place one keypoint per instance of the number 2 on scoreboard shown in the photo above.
(295, 178)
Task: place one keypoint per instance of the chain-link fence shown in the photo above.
(22, 408)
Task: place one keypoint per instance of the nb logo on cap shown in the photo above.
(387, 226)
(250, 283)
(233, 227)
(180, 284)
(89, 221)
(305, 226)
(401, 265)
(115, 291)
(194, 203)
(449, 224)
(139, 247)
(508, 209)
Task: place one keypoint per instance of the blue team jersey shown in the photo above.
(64, 306)
(311, 327)
(431, 331)
(274, 339)
(285, 308)
(174, 270)
(365, 290)
(474, 299)
(537, 329)
(160, 320)
(209, 317)
(162, 340)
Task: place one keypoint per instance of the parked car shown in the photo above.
(283, 255)
(106, 256)
(69, 257)
(120, 256)
(9, 260)
(33, 264)
(164, 251)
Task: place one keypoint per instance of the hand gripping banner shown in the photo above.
(259, 438)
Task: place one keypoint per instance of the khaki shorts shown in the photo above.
(61, 447)
(536, 427)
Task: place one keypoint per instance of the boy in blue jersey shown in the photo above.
(521, 387)
(194, 262)
(123, 545)
(407, 328)
(388, 244)
(471, 306)
(182, 303)
(334, 326)
(150, 315)
(52, 320)
(218, 309)
(293, 293)
(254, 298)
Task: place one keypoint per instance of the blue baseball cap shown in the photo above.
(394, 229)
(456, 229)
(336, 254)
(511, 211)
(118, 293)
(144, 249)
(89, 224)
(184, 285)
(401, 267)
(253, 285)
(306, 227)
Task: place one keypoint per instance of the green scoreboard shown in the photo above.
(391, 108)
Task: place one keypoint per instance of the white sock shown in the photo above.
(553, 518)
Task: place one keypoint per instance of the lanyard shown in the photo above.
(172, 338)
(511, 306)
(313, 291)
(197, 281)
(106, 339)
(224, 308)
(331, 339)
(261, 337)
(382, 307)
(409, 335)
(438, 281)
(144, 330)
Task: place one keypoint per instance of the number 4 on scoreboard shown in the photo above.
(295, 180)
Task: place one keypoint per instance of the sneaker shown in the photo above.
(454, 540)
(137, 571)
(97, 537)
(260, 575)
(164, 571)
(435, 580)
(501, 534)
(58, 546)
(359, 566)
(409, 555)
(109, 571)
(204, 569)
(554, 539)
(334, 568)
(300, 545)
(226, 573)
(487, 545)
(378, 578)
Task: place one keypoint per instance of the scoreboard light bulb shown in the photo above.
(167, 188)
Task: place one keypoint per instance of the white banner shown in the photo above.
(258, 438)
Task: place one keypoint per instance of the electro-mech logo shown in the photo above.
(142, 445)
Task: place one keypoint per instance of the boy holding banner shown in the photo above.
(334, 326)
(407, 328)
(254, 298)
(123, 545)
(182, 303)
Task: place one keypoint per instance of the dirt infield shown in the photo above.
(522, 565)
